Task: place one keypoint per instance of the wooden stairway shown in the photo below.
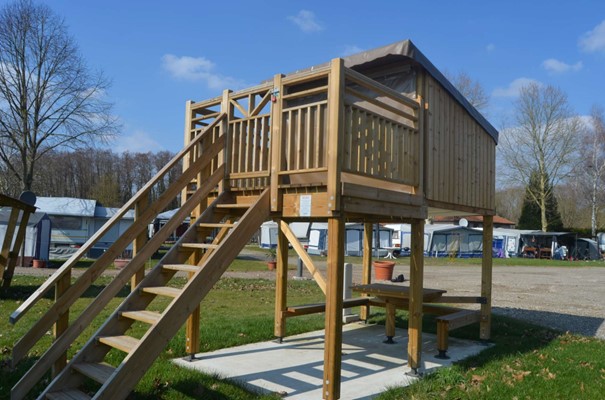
(204, 263)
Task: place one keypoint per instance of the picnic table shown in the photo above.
(393, 296)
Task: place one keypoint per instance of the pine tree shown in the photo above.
(530, 212)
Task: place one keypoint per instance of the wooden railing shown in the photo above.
(320, 123)
(198, 160)
(381, 138)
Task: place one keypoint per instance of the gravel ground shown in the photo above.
(565, 298)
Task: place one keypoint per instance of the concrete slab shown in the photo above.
(295, 367)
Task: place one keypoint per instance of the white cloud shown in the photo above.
(593, 41)
(514, 88)
(351, 49)
(198, 69)
(137, 142)
(306, 21)
(490, 47)
(559, 67)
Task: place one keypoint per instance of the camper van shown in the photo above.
(601, 241)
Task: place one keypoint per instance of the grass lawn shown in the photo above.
(527, 361)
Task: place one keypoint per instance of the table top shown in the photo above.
(397, 291)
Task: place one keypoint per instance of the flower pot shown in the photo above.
(271, 265)
(383, 270)
(39, 263)
(120, 262)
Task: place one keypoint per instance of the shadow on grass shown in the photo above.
(583, 325)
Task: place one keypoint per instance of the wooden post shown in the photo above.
(12, 260)
(188, 159)
(335, 132)
(416, 289)
(275, 158)
(139, 242)
(486, 278)
(192, 330)
(224, 157)
(6, 252)
(62, 322)
(333, 324)
(366, 276)
(281, 283)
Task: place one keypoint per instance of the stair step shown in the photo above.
(199, 246)
(163, 290)
(215, 225)
(121, 342)
(182, 267)
(68, 394)
(233, 206)
(149, 317)
(99, 372)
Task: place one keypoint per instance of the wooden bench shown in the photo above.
(448, 322)
(448, 318)
(294, 311)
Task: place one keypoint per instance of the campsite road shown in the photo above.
(565, 298)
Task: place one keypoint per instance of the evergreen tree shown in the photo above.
(530, 212)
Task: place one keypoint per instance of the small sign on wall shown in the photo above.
(305, 205)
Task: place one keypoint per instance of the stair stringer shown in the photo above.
(135, 364)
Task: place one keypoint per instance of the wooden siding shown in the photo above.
(460, 156)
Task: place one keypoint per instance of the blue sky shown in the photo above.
(159, 54)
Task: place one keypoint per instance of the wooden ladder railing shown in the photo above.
(118, 381)
(12, 243)
(198, 159)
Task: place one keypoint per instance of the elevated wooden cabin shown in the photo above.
(379, 136)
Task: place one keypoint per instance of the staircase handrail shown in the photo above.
(115, 249)
(59, 346)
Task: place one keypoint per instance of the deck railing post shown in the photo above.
(224, 157)
(335, 131)
(276, 138)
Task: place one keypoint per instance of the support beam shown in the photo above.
(416, 289)
(304, 256)
(486, 278)
(281, 283)
(333, 338)
(366, 275)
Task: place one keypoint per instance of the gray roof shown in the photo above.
(407, 50)
(404, 52)
(108, 212)
(67, 206)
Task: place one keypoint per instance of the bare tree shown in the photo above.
(472, 90)
(48, 97)
(545, 138)
(509, 202)
(592, 175)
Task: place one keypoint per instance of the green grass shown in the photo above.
(224, 323)
(527, 362)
